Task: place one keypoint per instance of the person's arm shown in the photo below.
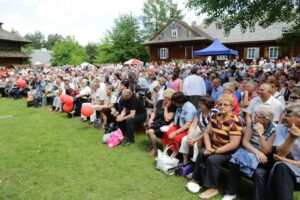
(131, 115)
(265, 146)
(168, 115)
(284, 149)
(234, 142)
(180, 130)
(286, 160)
(192, 127)
(180, 86)
(246, 142)
(207, 141)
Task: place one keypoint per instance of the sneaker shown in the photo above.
(209, 193)
(229, 197)
(193, 187)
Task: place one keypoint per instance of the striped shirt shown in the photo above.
(221, 132)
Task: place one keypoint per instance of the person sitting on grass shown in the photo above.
(221, 138)
(162, 114)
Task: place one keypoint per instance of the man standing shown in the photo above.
(194, 87)
(133, 113)
(217, 89)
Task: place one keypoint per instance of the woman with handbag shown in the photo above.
(221, 138)
(162, 114)
(184, 116)
(196, 130)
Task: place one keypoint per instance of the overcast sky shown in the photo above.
(86, 20)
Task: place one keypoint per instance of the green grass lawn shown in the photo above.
(45, 155)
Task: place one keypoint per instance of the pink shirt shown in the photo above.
(175, 84)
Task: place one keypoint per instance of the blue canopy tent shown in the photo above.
(216, 48)
(298, 60)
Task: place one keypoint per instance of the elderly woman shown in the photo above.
(184, 116)
(249, 92)
(275, 91)
(229, 89)
(252, 158)
(197, 128)
(221, 138)
(162, 114)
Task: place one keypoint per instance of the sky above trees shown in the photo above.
(86, 20)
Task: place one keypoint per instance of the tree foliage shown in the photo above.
(52, 39)
(227, 14)
(37, 38)
(68, 52)
(123, 42)
(91, 49)
(156, 13)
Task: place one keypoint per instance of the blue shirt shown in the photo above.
(216, 93)
(185, 114)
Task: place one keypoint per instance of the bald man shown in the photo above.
(133, 113)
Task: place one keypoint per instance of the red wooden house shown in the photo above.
(178, 40)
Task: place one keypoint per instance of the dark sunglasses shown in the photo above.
(294, 97)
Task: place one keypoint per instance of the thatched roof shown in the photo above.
(12, 54)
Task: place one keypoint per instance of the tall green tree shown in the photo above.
(91, 49)
(156, 13)
(123, 42)
(37, 38)
(68, 52)
(52, 39)
(227, 14)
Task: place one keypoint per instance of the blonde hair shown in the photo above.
(227, 98)
(168, 93)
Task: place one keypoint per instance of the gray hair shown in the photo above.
(266, 111)
(251, 84)
(229, 86)
(294, 107)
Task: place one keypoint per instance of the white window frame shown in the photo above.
(275, 52)
(163, 53)
(174, 33)
(222, 57)
(253, 53)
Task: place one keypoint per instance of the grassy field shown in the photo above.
(48, 156)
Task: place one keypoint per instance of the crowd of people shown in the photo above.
(242, 117)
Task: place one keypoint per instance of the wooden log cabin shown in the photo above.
(178, 40)
(10, 48)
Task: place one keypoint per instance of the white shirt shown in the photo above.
(194, 85)
(85, 91)
(275, 105)
(102, 91)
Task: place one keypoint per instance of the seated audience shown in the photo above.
(163, 114)
(221, 138)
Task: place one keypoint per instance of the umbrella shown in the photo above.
(133, 62)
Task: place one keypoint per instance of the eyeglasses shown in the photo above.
(223, 105)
